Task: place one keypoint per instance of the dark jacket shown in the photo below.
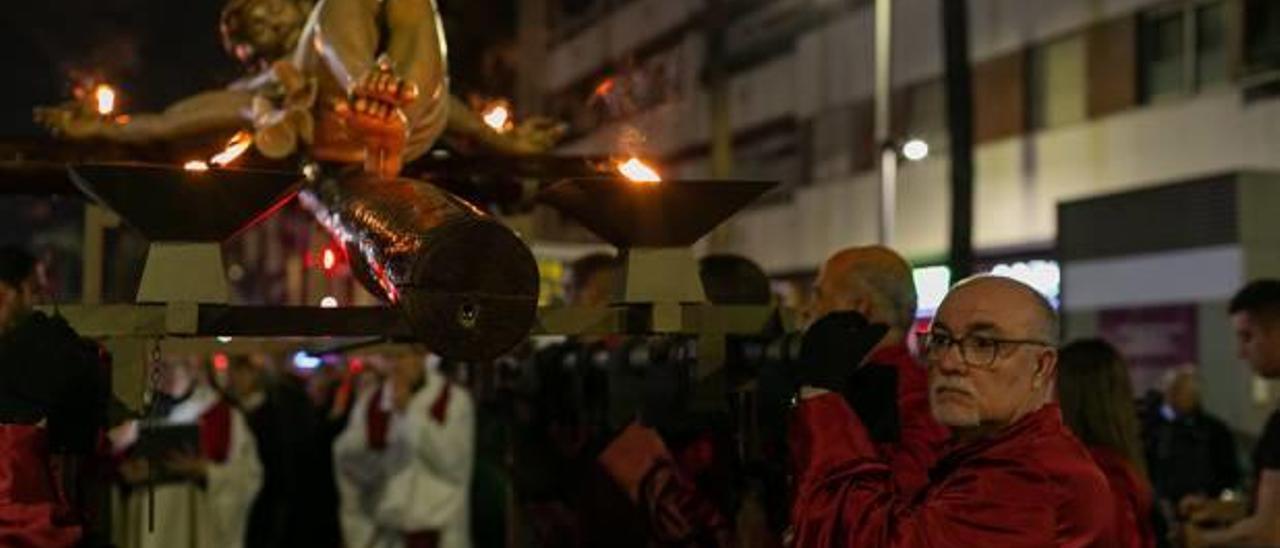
(1191, 454)
(47, 372)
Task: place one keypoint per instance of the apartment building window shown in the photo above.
(1056, 83)
(772, 157)
(926, 111)
(1262, 35)
(1162, 55)
(1182, 48)
(1211, 44)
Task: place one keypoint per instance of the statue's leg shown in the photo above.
(347, 37)
(417, 51)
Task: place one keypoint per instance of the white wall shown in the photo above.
(1020, 181)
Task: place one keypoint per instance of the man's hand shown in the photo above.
(1190, 504)
(1190, 536)
(373, 113)
(1219, 513)
(833, 347)
(123, 436)
(134, 471)
(188, 465)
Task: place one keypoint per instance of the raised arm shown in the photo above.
(845, 496)
(534, 136)
(1262, 527)
(205, 112)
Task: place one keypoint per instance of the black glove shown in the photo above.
(872, 392)
(833, 347)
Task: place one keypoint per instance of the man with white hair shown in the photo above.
(1012, 474)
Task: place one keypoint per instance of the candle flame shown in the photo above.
(498, 117)
(105, 98)
(603, 88)
(236, 146)
(637, 171)
(196, 165)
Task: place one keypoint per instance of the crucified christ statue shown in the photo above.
(351, 80)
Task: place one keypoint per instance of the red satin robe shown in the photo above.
(1031, 485)
(921, 438)
(33, 510)
(1132, 496)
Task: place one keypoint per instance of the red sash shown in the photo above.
(215, 432)
(440, 407)
(376, 422)
(33, 510)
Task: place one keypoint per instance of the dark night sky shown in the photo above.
(157, 51)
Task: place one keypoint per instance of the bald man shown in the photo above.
(1012, 474)
(890, 392)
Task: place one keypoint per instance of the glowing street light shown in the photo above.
(915, 150)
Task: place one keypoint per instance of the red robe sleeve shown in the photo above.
(920, 438)
(845, 496)
(676, 512)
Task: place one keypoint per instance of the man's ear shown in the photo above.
(1046, 368)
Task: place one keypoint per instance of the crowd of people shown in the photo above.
(986, 429)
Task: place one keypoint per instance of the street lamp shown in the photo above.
(883, 87)
(915, 150)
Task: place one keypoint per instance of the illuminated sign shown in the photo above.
(932, 283)
(1043, 276)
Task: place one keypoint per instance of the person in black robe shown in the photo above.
(297, 505)
(53, 400)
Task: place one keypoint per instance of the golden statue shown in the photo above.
(352, 80)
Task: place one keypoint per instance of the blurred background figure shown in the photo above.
(562, 409)
(203, 488)
(1189, 451)
(589, 280)
(297, 505)
(405, 460)
(751, 483)
(1096, 396)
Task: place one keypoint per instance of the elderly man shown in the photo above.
(889, 393)
(1013, 475)
(1190, 452)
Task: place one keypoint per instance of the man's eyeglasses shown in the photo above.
(975, 350)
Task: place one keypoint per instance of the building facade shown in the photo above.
(1073, 99)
